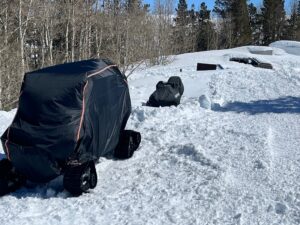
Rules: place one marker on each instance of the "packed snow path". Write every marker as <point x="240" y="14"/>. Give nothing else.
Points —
<point x="235" y="161"/>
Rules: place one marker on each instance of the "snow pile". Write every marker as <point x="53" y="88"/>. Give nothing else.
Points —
<point x="291" y="47"/>
<point x="260" y="50"/>
<point x="205" y="102"/>
<point x="229" y="154"/>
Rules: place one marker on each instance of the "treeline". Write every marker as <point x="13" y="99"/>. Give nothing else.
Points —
<point x="39" y="33"/>
<point x="234" y="23"/>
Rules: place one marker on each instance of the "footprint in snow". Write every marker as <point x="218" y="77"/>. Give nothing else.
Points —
<point x="280" y="208"/>
<point x="191" y="152"/>
<point x="258" y="165"/>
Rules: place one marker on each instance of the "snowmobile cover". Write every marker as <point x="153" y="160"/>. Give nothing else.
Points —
<point x="72" y="112"/>
<point x="167" y="93"/>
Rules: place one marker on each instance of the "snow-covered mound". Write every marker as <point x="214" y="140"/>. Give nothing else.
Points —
<point x="229" y="154"/>
<point x="260" y="50"/>
<point x="291" y="47"/>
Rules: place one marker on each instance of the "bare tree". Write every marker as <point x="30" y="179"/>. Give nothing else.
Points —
<point x="39" y="33"/>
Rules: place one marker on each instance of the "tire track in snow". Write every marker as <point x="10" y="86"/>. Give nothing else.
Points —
<point x="284" y="145"/>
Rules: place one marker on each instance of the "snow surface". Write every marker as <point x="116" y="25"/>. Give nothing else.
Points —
<point x="291" y="47"/>
<point x="234" y="161"/>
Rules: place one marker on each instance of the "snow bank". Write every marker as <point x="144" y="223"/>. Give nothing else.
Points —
<point x="260" y="50"/>
<point x="229" y="157"/>
<point x="291" y="47"/>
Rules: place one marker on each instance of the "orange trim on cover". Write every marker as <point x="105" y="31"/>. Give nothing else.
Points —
<point x="83" y="101"/>
<point x="98" y="72"/>
<point x="6" y="146"/>
<point x="82" y="112"/>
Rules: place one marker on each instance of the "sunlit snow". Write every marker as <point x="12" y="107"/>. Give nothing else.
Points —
<point x="230" y="157"/>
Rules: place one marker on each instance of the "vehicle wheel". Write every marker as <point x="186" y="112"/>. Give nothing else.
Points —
<point x="93" y="176"/>
<point x="128" y="143"/>
<point x="10" y="180"/>
<point x="80" y="178"/>
<point x="5" y="168"/>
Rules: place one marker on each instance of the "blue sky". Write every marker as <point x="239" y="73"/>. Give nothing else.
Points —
<point x="211" y="3"/>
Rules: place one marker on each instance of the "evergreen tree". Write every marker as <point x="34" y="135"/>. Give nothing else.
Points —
<point x="182" y="13"/>
<point x="236" y="28"/>
<point x="297" y="38"/>
<point x="273" y="20"/>
<point x="192" y="29"/>
<point x="205" y="28"/>
<point x="204" y="13"/>
<point x="180" y="32"/>
<point x="255" y="24"/>
<point x="222" y="7"/>
<point x="292" y="23"/>
<point x="241" y="22"/>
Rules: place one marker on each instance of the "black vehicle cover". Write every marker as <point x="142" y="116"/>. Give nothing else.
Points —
<point x="167" y="93"/>
<point x="72" y="112"/>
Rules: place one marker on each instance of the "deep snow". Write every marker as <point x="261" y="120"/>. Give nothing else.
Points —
<point x="233" y="159"/>
<point x="291" y="47"/>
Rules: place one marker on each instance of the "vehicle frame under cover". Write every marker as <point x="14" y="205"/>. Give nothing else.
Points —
<point x="68" y="114"/>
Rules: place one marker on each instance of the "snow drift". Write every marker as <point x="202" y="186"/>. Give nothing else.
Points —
<point x="235" y="160"/>
<point x="291" y="47"/>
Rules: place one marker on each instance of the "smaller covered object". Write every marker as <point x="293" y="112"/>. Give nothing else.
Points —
<point x="69" y="115"/>
<point x="167" y="93"/>
<point x="206" y="66"/>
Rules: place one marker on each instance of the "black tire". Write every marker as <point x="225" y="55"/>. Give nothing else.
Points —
<point x="4" y="188"/>
<point x="80" y="178"/>
<point x="93" y="176"/>
<point x="129" y="142"/>
<point x="5" y="168"/>
<point x="10" y="180"/>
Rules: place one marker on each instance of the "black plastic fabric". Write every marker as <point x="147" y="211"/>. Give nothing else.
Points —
<point x="252" y="61"/>
<point x="206" y="66"/>
<point x="167" y="93"/>
<point x="72" y="112"/>
<point x="128" y="143"/>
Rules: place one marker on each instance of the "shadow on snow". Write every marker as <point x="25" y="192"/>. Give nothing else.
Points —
<point x="286" y="104"/>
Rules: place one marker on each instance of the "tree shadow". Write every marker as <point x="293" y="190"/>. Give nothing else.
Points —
<point x="286" y="104"/>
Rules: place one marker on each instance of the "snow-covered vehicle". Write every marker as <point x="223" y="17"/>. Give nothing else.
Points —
<point x="69" y="115"/>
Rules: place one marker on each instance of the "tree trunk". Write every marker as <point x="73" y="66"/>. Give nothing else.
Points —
<point x="73" y="33"/>
<point x="21" y="37"/>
